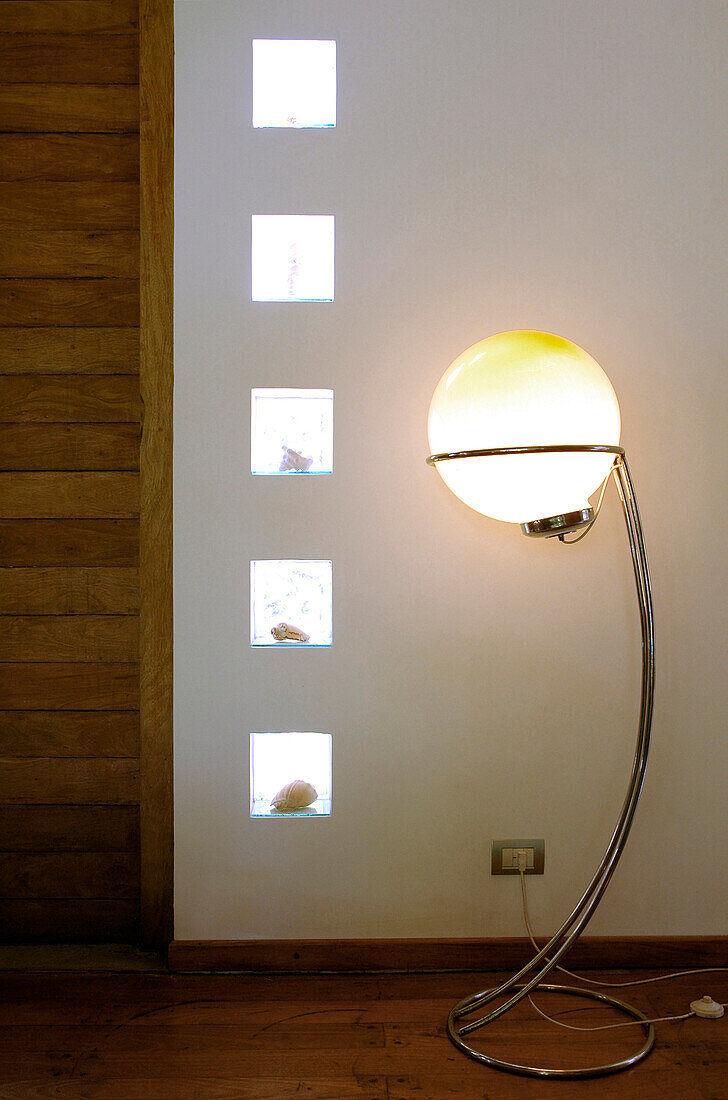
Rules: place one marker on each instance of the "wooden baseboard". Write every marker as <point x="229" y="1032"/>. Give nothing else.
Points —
<point x="307" y="956"/>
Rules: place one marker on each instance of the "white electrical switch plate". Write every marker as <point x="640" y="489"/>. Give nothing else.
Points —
<point x="504" y="856"/>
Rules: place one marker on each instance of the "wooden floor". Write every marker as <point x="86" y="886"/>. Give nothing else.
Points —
<point x="182" y="1037"/>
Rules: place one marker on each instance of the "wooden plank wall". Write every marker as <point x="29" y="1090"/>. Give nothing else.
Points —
<point x="70" y="413"/>
<point x="156" y="377"/>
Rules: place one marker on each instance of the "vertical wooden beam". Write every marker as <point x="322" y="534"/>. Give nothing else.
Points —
<point x="156" y="91"/>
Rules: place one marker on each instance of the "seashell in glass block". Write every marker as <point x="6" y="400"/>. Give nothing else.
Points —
<point x="294" y="593"/>
<point x="290" y="774"/>
<point x="291" y="431"/>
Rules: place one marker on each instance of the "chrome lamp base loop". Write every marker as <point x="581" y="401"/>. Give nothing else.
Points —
<point x="532" y="975"/>
<point x="548" y="1072"/>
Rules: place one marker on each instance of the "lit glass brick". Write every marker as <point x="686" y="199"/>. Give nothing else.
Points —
<point x="292" y="257"/>
<point x="294" y="83"/>
<point x="291" y="431"/>
<point x="279" y="758"/>
<point x="297" y="594"/>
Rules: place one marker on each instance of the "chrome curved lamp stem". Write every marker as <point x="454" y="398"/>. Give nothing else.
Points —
<point x="544" y="961"/>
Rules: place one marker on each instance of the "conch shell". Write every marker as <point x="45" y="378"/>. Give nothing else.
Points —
<point x="294" y="460"/>
<point x="284" y="632"/>
<point x="296" y="795"/>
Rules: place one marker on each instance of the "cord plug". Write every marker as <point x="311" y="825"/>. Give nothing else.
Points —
<point x="522" y="860"/>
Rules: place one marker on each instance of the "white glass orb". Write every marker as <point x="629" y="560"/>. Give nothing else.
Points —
<point x="523" y="389"/>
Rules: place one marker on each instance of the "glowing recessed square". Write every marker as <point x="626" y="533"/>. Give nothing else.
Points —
<point x="292" y="257"/>
<point x="294" y="83"/>
<point x="292" y="598"/>
<point x="277" y="759"/>
<point x="291" y="431"/>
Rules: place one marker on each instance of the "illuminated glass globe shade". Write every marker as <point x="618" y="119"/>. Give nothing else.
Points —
<point x="523" y="389"/>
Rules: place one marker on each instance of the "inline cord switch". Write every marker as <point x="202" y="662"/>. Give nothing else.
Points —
<point x="707" y="1008"/>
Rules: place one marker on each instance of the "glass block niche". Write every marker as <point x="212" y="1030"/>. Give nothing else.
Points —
<point x="288" y="770"/>
<point x="294" y="83"/>
<point x="292" y="257"/>
<point x="290" y="603"/>
<point x="291" y="431"/>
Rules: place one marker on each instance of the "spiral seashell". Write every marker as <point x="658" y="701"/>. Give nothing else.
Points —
<point x="296" y="795"/>
<point x="284" y="632"/>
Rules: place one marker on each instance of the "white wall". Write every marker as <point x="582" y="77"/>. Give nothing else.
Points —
<point x="496" y="165"/>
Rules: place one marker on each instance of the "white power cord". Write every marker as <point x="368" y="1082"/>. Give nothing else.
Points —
<point x="707" y="1007"/>
<point x="597" y="510"/>
<point x="606" y="1027"/>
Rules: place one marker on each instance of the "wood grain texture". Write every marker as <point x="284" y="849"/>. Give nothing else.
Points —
<point x="69" y="828"/>
<point x="80" y="920"/>
<point x="70" y="423"/>
<point x="69" y="108"/>
<point x="51" y="781"/>
<point x="69" y="638"/>
<point x="56" y="399"/>
<point x="60" y="205"/>
<point x="50" y="494"/>
<point x="279" y="956"/>
<point x="69" y="542"/>
<point x="69" y="157"/>
<point x="217" y="1037"/>
<point x="69" y="686"/>
<point x="55" y="351"/>
<point x="69" y="301"/>
<point x="341" y="1035"/>
<point x="156" y="92"/>
<point x="85" y="957"/>
<point x="69" y="16"/>
<point x="68" y="874"/>
<point x="40" y="253"/>
<point x="64" y="543"/>
<point x="51" y="733"/>
<point x="95" y="591"/>
<point x="69" y="447"/>
<point x="70" y="59"/>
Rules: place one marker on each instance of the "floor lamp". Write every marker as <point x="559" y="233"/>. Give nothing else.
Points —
<point x="524" y="427"/>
